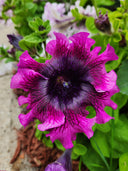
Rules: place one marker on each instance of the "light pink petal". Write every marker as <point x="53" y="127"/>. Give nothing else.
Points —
<point x="53" y="119"/>
<point x="59" y="47"/>
<point x="26" y="61"/>
<point x="25" y="79"/>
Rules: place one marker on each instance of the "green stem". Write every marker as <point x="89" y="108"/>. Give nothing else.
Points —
<point x="94" y="3"/>
<point x="80" y="164"/>
<point x="112" y="140"/>
<point x="101" y="155"/>
<point x="45" y="49"/>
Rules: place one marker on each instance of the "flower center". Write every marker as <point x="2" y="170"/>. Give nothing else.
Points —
<point x="68" y="82"/>
<point x="63" y="81"/>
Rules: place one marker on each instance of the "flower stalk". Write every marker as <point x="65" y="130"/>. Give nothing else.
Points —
<point x="112" y="140"/>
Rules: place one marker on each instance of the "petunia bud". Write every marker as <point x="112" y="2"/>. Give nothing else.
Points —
<point x="14" y="40"/>
<point x="62" y="164"/>
<point x="102" y="23"/>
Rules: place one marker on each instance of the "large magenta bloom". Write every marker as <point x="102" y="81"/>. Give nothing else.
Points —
<point x="61" y="88"/>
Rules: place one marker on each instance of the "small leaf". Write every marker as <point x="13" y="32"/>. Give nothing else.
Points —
<point x="47" y="142"/>
<point x="126" y="36"/>
<point x="82" y="3"/>
<point x="123" y="162"/>
<point x="92" y="112"/>
<point x="120" y="99"/>
<point x="91" y="25"/>
<point x="116" y="37"/>
<point x="122" y="79"/>
<point x="33" y="38"/>
<point x="116" y="24"/>
<point x="59" y="145"/>
<point x="79" y="149"/>
<point x="77" y="15"/>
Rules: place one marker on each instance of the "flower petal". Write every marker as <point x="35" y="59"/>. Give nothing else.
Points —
<point x="108" y="101"/>
<point x="59" y="47"/>
<point x="53" y="119"/>
<point x="102" y="117"/>
<point x="26" y="61"/>
<point x="25" y="119"/>
<point x="66" y="133"/>
<point x="106" y="82"/>
<point x="77" y="46"/>
<point x="108" y="54"/>
<point x="25" y="79"/>
<point x="23" y="100"/>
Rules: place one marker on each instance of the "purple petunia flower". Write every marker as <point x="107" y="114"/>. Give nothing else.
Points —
<point x="64" y="163"/>
<point x="61" y="88"/>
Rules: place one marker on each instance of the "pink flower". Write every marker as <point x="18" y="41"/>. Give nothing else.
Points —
<point x="61" y="88"/>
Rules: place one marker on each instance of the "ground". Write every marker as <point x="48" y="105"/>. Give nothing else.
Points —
<point x="9" y="111"/>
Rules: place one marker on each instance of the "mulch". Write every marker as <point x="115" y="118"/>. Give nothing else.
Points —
<point x="39" y="155"/>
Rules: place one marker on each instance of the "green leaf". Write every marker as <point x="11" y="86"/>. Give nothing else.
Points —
<point x="120" y="99"/>
<point x="79" y="149"/>
<point x="78" y="16"/>
<point x="25" y="45"/>
<point x="18" y="54"/>
<point x="126" y="4"/>
<point x="112" y="65"/>
<point x="59" y="145"/>
<point x="114" y="14"/>
<point x="126" y="36"/>
<point x="93" y="161"/>
<point x="92" y="112"/>
<point x="41" y="59"/>
<point x="120" y="139"/>
<point x="104" y="3"/>
<point x="91" y="25"/>
<point x="39" y="26"/>
<point x="82" y="3"/>
<point x="102" y="142"/>
<point x="116" y="24"/>
<point x="116" y="37"/>
<point x="38" y="134"/>
<point x="47" y="142"/>
<point x="74" y="156"/>
<point x="122" y="79"/>
<point x="33" y="38"/>
<point x="123" y="162"/>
